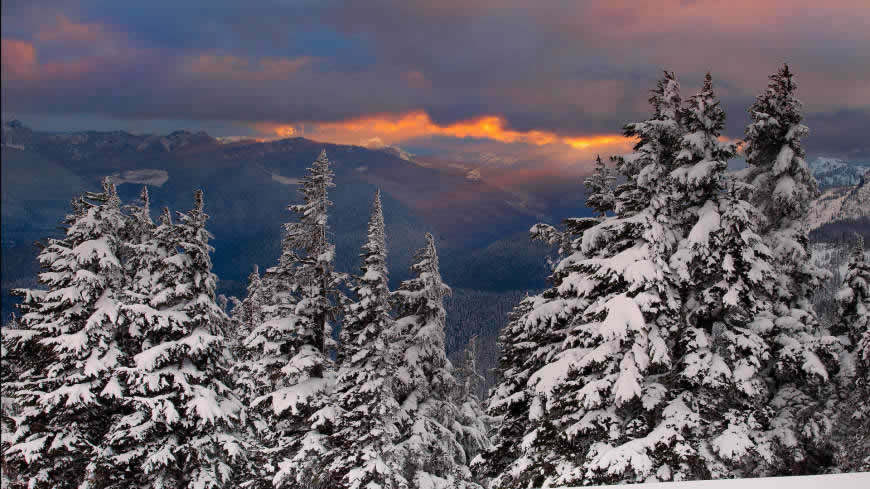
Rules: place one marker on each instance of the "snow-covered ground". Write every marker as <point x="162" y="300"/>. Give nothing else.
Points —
<point x="860" y="480"/>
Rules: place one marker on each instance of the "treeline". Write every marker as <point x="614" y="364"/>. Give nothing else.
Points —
<point x="678" y="340"/>
<point x="125" y="369"/>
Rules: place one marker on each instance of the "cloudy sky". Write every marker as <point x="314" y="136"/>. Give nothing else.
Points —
<point x="499" y="82"/>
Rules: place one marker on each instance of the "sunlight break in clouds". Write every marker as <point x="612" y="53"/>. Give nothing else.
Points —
<point x="391" y="129"/>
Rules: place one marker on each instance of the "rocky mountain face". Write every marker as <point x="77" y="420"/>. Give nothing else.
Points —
<point x="841" y="203"/>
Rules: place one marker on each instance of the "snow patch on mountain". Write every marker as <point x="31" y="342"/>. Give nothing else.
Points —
<point x="285" y="180"/>
<point x="174" y="140"/>
<point x="378" y="144"/>
<point x="146" y="176"/>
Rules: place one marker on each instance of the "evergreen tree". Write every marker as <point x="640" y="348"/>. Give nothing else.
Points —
<point x="854" y="412"/>
<point x="290" y="351"/>
<point x="431" y="450"/>
<point x="803" y="353"/>
<point x="364" y="417"/>
<point x="319" y="295"/>
<point x="69" y="393"/>
<point x="725" y="348"/>
<point x="139" y="251"/>
<point x="180" y="431"/>
<point x="581" y="399"/>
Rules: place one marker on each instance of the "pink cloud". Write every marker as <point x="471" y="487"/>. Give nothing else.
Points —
<point x="19" y="58"/>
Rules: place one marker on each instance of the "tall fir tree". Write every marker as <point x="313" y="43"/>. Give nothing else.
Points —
<point x="139" y="250"/>
<point x="803" y="352"/>
<point x="290" y="358"/>
<point x="69" y="394"/>
<point x="363" y="419"/>
<point x="431" y="449"/>
<point x="726" y="277"/>
<point x="181" y="431"/>
<point x="580" y="400"/>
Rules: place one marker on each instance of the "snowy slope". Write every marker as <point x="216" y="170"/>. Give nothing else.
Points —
<point x="841" y="203"/>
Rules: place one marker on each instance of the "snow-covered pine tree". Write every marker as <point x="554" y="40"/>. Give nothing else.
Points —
<point x="853" y="423"/>
<point x="138" y="252"/>
<point x="138" y="229"/>
<point x="431" y="449"/>
<point x="582" y="398"/>
<point x="363" y="419"/>
<point x="319" y="295"/>
<point x="726" y="278"/>
<point x="68" y="396"/>
<point x="803" y="352"/>
<point x="659" y="137"/>
<point x="292" y="348"/>
<point x="180" y="431"/>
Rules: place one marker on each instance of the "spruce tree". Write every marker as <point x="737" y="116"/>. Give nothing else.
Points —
<point x="431" y="450"/>
<point x="364" y="418"/>
<point x="726" y="277"/>
<point x="581" y="399"/>
<point x="803" y="352"/>
<point x="290" y="357"/>
<point x="180" y="431"/>
<point x="69" y="393"/>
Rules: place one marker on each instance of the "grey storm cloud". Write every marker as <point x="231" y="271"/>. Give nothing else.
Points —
<point x="563" y="66"/>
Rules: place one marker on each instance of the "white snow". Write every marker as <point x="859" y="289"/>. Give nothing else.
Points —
<point x="860" y="480"/>
<point x="146" y="176"/>
<point x="622" y="315"/>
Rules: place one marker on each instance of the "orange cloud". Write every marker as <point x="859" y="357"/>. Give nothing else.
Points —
<point x="391" y="129"/>
<point x="19" y="58"/>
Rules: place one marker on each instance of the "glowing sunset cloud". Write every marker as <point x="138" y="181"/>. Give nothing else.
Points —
<point x="415" y="125"/>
